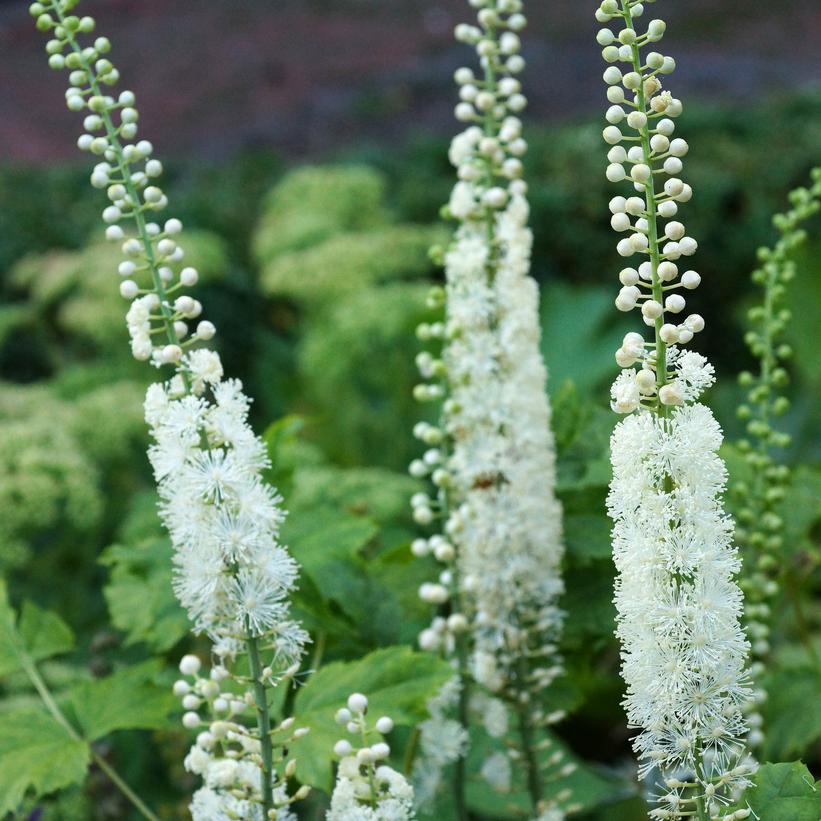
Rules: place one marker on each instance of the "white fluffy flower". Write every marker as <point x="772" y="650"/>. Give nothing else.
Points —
<point x="352" y="799"/>
<point x="210" y="805"/>
<point x="678" y="605"/>
<point x="497" y="772"/>
<point x="503" y="461"/>
<point x="624" y="393"/>
<point x="442" y="741"/>
<point x="231" y="574"/>
<point x="204" y="367"/>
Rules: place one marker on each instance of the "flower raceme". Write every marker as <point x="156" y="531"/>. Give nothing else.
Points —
<point x="679" y="607"/>
<point x="230" y="572"/>
<point x="491" y="457"/>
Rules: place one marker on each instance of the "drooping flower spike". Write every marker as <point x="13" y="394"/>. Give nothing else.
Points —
<point x="678" y="604"/>
<point x="230" y="572"/>
<point x="491" y="457"/>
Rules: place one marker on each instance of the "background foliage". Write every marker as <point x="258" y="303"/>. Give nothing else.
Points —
<point x="315" y="277"/>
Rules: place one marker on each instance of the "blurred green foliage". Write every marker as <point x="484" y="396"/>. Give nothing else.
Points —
<point x="316" y="283"/>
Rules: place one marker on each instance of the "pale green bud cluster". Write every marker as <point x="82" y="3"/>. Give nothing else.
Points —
<point x="758" y="499"/>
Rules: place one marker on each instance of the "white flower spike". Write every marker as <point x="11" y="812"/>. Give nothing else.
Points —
<point x="678" y="605"/>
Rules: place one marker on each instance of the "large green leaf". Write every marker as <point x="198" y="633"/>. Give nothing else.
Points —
<point x="784" y="792"/>
<point x="793" y="711"/>
<point x="39" y="634"/>
<point x="140" y="599"/>
<point x="128" y="699"/>
<point x="37" y="754"/>
<point x="398" y="683"/>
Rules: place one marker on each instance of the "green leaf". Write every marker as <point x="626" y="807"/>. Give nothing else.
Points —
<point x="792" y="713"/>
<point x="140" y="598"/>
<point x="579" y="334"/>
<point x="37" y="754"/>
<point x="398" y="682"/>
<point x="39" y="635"/>
<point x="280" y="437"/>
<point x="128" y="699"/>
<point x="783" y="792"/>
<point x="321" y="537"/>
<point x="44" y="634"/>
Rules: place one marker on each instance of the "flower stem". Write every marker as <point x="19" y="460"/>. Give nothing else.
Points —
<point x="263" y="724"/>
<point x="534" y="781"/>
<point x="652" y="221"/>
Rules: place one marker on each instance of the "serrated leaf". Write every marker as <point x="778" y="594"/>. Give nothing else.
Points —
<point x="44" y="634"/>
<point x="128" y="699"/>
<point x="792" y="713"/>
<point x="140" y="598"/>
<point x="783" y="792"/>
<point x="39" y="634"/>
<point x="398" y="682"/>
<point x="37" y="754"/>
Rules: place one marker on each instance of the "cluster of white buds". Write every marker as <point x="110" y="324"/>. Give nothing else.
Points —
<point x="153" y="275"/>
<point x="228" y="753"/>
<point x="678" y="604"/>
<point x="231" y="573"/>
<point x="490" y="459"/>
<point x="367" y="789"/>
<point x="646" y="154"/>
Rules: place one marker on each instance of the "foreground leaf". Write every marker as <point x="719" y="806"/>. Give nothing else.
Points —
<point x="784" y="792"/>
<point x="792" y="713"/>
<point x="140" y="598"/>
<point x="39" y="634"/>
<point x="128" y="699"/>
<point x="37" y="754"/>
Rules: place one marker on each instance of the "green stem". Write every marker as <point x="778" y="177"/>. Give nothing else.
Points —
<point x="410" y="751"/>
<point x="534" y="781"/>
<point x="319" y="650"/>
<point x="263" y="724"/>
<point x="57" y="714"/>
<point x="652" y="219"/>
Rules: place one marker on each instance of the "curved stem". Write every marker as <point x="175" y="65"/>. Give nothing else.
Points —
<point x="57" y="714"/>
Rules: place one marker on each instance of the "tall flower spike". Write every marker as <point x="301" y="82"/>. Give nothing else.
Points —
<point x="491" y="458"/>
<point x="231" y="574"/>
<point x="757" y="500"/>
<point x="678" y="605"/>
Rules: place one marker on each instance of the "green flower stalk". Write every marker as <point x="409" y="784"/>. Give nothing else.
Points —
<point x="491" y="457"/>
<point x="678" y="605"/>
<point x="757" y="500"/>
<point x="230" y="572"/>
